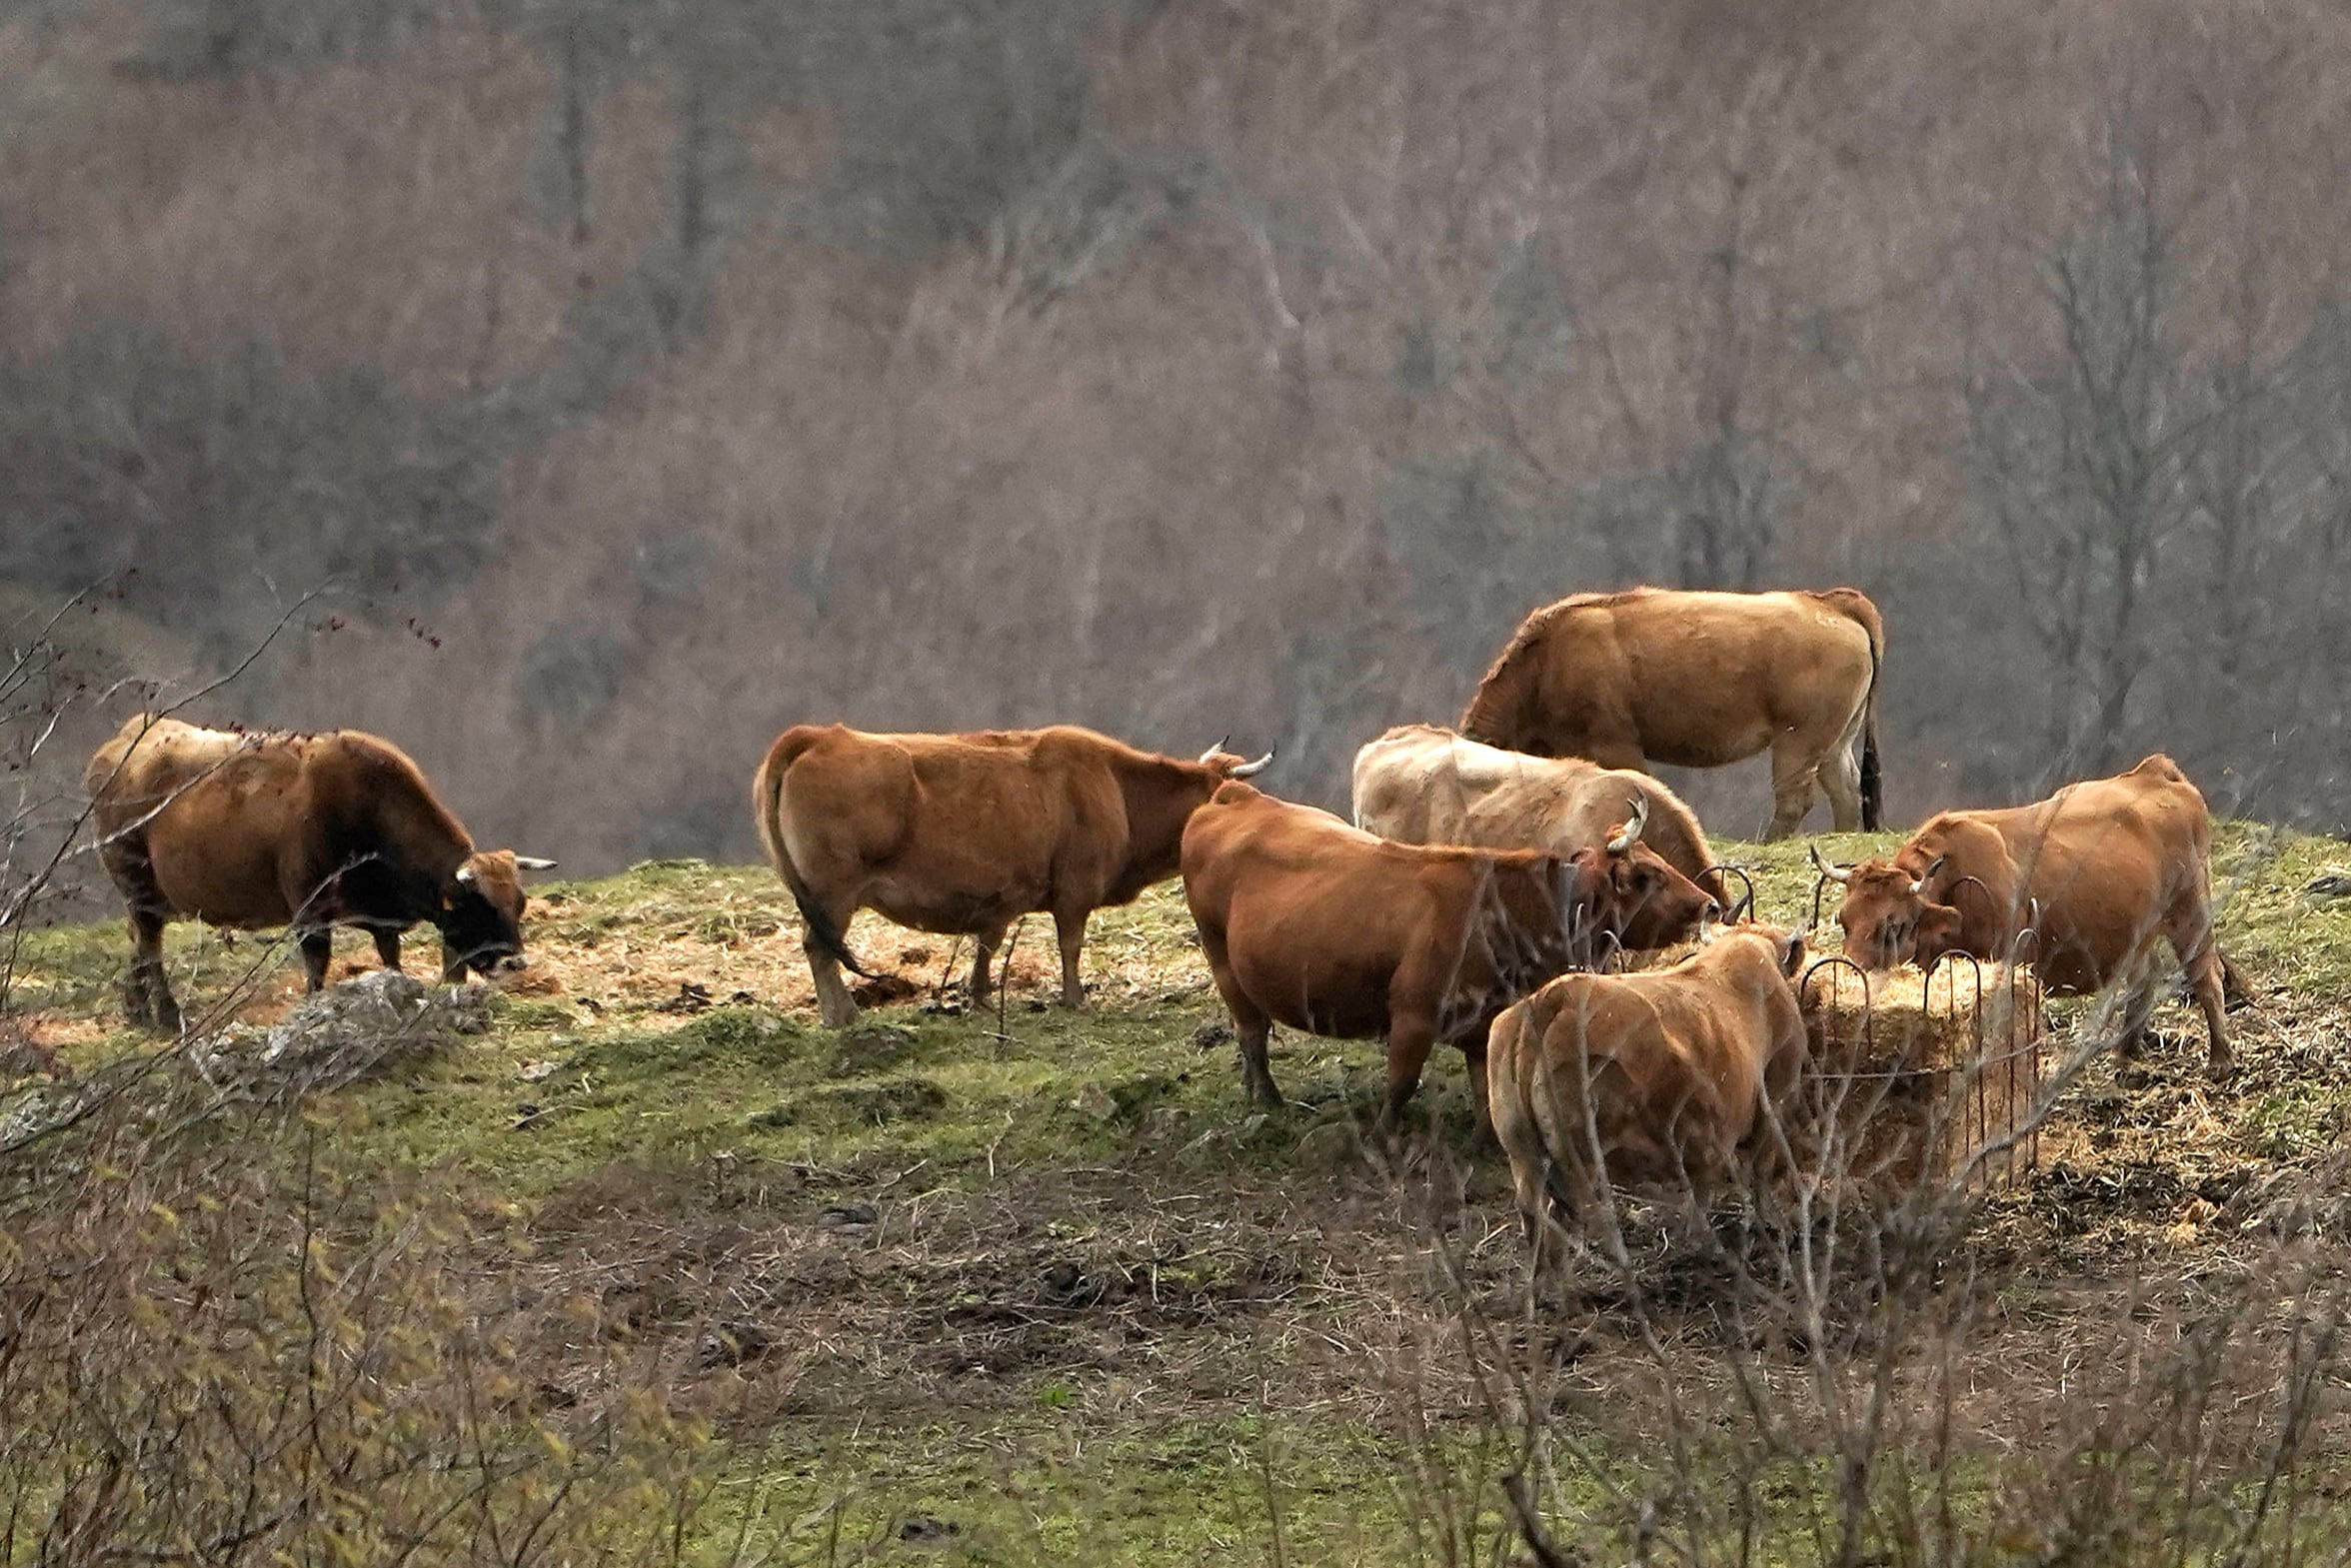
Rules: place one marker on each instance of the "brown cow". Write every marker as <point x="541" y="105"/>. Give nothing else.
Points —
<point x="1312" y="923"/>
<point x="1419" y="783"/>
<point x="1666" y="1078"/>
<point x="1700" y="680"/>
<point x="311" y="831"/>
<point x="964" y="833"/>
<point x="2108" y="865"/>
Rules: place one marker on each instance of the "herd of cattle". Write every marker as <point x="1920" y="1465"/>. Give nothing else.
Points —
<point x="1489" y="874"/>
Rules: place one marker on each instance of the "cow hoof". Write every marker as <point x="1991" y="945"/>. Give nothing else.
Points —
<point x="841" y="1019"/>
<point x="2221" y="1069"/>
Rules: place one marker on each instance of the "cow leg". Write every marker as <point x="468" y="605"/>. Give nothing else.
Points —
<point x="1473" y="1050"/>
<point x="985" y="943"/>
<point x="2139" y="996"/>
<point x="1625" y="755"/>
<point x="1840" y="780"/>
<point x="1409" y="1040"/>
<point x="1252" y="1028"/>
<point x="317" y="948"/>
<point x="833" y="1003"/>
<point x="2199" y="954"/>
<point x="1069" y="930"/>
<point x="146" y="997"/>
<point x="387" y="947"/>
<point x="1794" y="766"/>
<point x="1530" y="1183"/>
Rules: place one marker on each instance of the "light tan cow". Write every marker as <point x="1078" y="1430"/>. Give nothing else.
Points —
<point x="1419" y="783"/>
<point x="1700" y="680"/>
<point x="1656" y="1078"/>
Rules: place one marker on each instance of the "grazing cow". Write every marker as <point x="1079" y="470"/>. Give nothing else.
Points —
<point x="1700" y="680"/>
<point x="964" y="833"/>
<point x="2107" y="864"/>
<point x="1419" y="783"/>
<point x="1666" y="1078"/>
<point x="311" y="831"/>
<point x="1312" y="923"/>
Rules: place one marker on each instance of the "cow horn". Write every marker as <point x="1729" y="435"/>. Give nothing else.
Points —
<point x="1251" y="769"/>
<point x="465" y="873"/>
<point x="1213" y="751"/>
<point x="1630" y="833"/>
<point x="1932" y="866"/>
<point x="533" y="862"/>
<point x="1839" y="875"/>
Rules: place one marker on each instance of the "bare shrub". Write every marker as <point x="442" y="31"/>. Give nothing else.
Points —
<point x="1846" y="1372"/>
<point x="217" y="1347"/>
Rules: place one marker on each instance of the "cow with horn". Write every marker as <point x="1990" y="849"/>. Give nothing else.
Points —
<point x="1312" y="923"/>
<point x="1419" y="783"/>
<point x="251" y="829"/>
<point x="961" y="834"/>
<point x="2101" y="871"/>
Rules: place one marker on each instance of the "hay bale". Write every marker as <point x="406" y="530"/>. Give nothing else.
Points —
<point x="1912" y="1073"/>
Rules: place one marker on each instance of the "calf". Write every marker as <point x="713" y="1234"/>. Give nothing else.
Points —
<point x="1664" y="1078"/>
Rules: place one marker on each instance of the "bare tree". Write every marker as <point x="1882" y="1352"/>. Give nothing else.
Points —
<point x="2081" y="465"/>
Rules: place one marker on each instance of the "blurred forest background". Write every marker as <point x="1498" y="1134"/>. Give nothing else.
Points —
<point x="639" y="377"/>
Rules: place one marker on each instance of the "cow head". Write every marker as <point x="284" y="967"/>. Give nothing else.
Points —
<point x="480" y="918"/>
<point x="1787" y="947"/>
<point x="1888" y="915"/>
<point x="1626" y="890"/>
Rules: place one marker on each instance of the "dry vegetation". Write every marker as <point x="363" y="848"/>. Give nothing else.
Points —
<point x="1024" y="1284"/>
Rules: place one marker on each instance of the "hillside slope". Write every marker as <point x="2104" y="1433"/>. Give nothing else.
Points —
<point x="1171" y="369"/>
<point x="1027" y="1283"/>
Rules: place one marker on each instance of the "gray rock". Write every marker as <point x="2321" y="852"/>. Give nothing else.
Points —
<point x="381" y="1022"/>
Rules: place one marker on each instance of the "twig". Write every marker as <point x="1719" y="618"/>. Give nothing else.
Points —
<point x="1531" y="1528"/>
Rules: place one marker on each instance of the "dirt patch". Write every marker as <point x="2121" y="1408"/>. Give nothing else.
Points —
<point x="878" y="1296"/>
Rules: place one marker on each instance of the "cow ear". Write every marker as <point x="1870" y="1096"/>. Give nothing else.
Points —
<point x="1791" y="953"/>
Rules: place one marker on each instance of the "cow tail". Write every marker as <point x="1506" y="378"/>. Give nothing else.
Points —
<point x="1857" y="607"/>
<point x="1872" y="777"/>
<point x="767" y="810"/>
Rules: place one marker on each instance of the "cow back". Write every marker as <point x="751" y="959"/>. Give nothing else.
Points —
<point x="1669" y="1067"/>
<point x="1694" y="678"/>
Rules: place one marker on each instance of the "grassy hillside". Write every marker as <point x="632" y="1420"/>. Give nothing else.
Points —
<point x="1035" y="1285"/>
